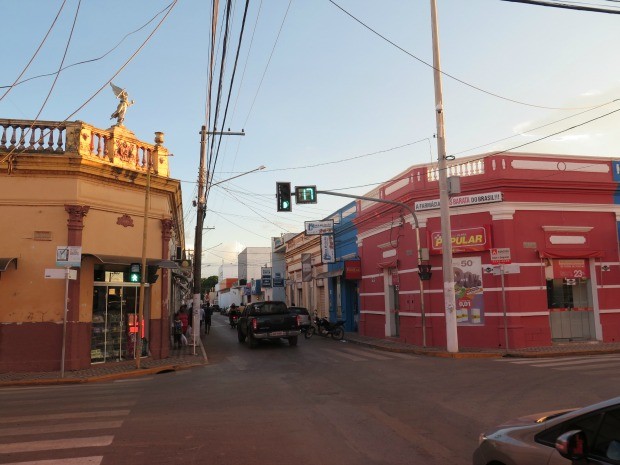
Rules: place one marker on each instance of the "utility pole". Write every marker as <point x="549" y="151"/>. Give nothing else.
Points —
<point x="201" y="210"/>
<point x="446" y="229"/>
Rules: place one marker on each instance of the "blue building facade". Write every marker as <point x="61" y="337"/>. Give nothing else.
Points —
<point x="343" y="275"/>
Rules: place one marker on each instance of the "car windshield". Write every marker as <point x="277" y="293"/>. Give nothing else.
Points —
<point x="269" y="308"/>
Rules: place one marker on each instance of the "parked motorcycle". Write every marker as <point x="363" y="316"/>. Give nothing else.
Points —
<point x="307" y="330"/>
<point x="325" y="328"/>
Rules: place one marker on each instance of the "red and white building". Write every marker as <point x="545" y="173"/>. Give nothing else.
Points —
<point x="555" y="221"/>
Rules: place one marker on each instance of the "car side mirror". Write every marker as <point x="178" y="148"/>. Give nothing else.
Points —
<point x="572" y="445"/>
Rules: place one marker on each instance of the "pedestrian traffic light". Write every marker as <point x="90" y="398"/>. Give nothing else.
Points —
<point x="135" y="275"/>
<point x="151" y="276"/>
<point x="283" y="194"/>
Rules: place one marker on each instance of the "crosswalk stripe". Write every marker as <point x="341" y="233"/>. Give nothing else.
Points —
<point x="65" y="416"/>
<point x="19" y="430"/>
<point x="95" y="460"/>
<point x="611" y="363"/>
<point x="404" y="355"/>
<point x="342" y="354"/>
<point x="366" y="353"/>
<point x="55" y="444"/>
<point x="527" y="361"/>
<point x="112" y="399"/>
<point x="570" y="362"/>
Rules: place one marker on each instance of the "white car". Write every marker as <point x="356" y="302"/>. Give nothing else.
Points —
<point x="589" y="435"/>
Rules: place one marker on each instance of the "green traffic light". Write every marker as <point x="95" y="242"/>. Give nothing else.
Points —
<point x="134" y="277"/>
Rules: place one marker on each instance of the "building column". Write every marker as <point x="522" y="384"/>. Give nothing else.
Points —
<point x="160" y="330"/>
<point x="78" y="334"/>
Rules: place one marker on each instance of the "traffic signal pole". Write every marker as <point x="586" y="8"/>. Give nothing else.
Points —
<point x="418" y="244"/>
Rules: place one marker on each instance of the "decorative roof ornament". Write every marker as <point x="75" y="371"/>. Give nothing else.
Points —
<point x="123" y="104"/>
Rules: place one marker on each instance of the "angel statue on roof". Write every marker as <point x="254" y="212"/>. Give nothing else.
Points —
<point x="123" y="104"/>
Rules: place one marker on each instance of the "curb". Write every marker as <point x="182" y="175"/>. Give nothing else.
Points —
<point x="429" y="353"/>
<point x="95" y="379"/>
<point x="561" y="354"/>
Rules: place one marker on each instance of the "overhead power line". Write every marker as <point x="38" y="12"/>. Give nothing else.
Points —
<point x="443" y="72"/>
<point x="90" y="60"/>
<point x="565" y="6"/>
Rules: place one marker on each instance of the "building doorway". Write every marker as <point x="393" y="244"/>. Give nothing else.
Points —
<point x="392" y="304"/>
<point x="114" y="322"/>
<point x="570" y="302"/>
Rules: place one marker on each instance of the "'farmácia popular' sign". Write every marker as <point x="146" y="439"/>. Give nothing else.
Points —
<point x="460" y="201"/>
<point x="463" y="240"/>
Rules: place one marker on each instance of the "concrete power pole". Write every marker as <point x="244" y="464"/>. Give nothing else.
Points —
<point x="446" y="229"/>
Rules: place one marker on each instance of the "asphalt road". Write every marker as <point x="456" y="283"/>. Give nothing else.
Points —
<point x="322" y="402"/>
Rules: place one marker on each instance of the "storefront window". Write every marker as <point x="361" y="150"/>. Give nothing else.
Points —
<point x="113" y="323"/>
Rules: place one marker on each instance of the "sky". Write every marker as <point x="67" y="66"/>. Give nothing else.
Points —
<point x="338" y="99"/>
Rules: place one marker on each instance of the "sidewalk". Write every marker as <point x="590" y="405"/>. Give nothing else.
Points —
<point x="184" y="358"/>
<point x="556" y="350"/>
<point x="179" y="359"/>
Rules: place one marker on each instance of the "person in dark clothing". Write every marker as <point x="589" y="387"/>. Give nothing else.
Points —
<point x="208" y="313"/>
<point x="183" y="317"/>
<point x="177" y="331"/>
<point x="233" y="312"/>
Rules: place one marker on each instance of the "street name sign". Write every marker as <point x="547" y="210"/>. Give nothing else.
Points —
<point x="59" y="273"/>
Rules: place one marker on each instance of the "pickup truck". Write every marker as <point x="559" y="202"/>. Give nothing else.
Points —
<point x="267" y="320"/>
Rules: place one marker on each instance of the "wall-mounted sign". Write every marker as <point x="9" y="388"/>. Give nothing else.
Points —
<point x="461" y="201"/>
<point x="306" y="267"/>
<point x="463" y="240"/>
<point x="570" y="268"/>
<point x="68" y="256"/>
<point x="265" y="273"/>
<point x="328" y="250"/>
<point x="500" y="256"/>
<point x="468" y="291"/>
<point x="278" y="280"/>
<point x="352" y="269"/>
<point x="314" y="228"/>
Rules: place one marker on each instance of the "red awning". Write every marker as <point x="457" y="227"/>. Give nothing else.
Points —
<point x="570" y="253"/>
<point x="388" y="264"/>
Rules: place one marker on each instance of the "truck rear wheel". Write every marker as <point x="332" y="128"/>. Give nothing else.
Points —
<point x="292" y="341"/>
<point x="253" y="342"/>
<point x="240" y="335"/>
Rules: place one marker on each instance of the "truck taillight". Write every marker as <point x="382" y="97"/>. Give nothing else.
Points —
<point x="254" y="324"/>
<point x="298" y="320"/>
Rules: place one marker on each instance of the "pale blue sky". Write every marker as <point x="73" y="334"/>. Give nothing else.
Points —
<point x="333" y="90"/>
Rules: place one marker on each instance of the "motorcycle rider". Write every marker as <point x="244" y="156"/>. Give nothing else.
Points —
<point x="233" y="312"/>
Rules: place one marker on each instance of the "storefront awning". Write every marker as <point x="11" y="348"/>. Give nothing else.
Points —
<point x="5" y="262"/>
<point x="122" y="260"/>
<point x="330" y="274"/>
<point x="388" y="263"/>
<point x="570" y="253"/>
